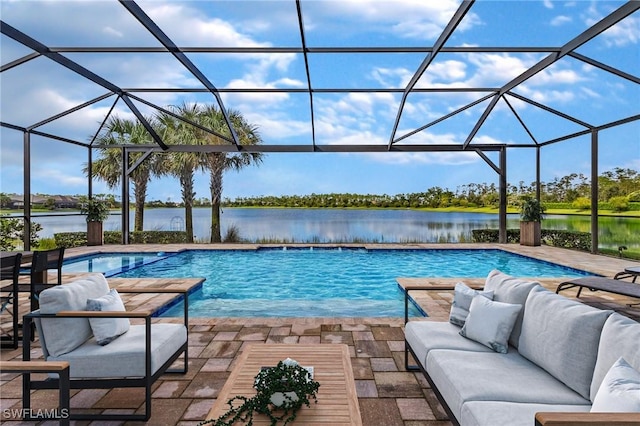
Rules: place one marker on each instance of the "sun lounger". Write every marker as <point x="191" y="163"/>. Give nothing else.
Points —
<point x="609" y="285"/>
<point x="632" y="272"/>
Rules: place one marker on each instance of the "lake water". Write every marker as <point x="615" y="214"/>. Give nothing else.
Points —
<point x="337" y="225"/>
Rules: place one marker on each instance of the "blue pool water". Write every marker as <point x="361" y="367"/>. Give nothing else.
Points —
<point x="324" y="282"/>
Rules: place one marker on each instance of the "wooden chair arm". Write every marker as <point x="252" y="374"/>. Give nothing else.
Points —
<point x="587" y="419"/>
<point x="430" y="288"/>
<point x="33" y="366"/>
<point x="104" y="314"/>
<point x="150" y="290"/>
<point x="92" y="314"/>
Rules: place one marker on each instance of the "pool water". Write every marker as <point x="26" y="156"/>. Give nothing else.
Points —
<point x="314" y="282"/>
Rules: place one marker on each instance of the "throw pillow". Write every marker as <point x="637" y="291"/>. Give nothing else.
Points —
<point x="106" y="330"/>
<point x="490" y="323"/>
<point x="62" y="335"/>
<point x="619" y="391"/>
<point x="463" y="295"/>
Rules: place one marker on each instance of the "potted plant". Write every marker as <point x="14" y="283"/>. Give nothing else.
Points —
<point x="531" y="214"/>
<point x="280" y="392"/>
<point x="96" y="211"/>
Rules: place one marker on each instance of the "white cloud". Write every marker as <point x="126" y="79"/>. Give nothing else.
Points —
<point x="561" y="20"/>
<point x="410" y="19"/>
<point x="623" y="33"/>
<point x="556" y="75"/>
<point x="111" y="31"/>
<point x="275" y="127"/>
<point x="548" y="4"/>
<point x="59" y="177"/>
<point x="590" y="93"/>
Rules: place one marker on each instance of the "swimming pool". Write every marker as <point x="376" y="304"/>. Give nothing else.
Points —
<point x="313" y="282"/>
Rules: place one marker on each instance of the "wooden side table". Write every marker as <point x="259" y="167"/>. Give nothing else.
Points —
<point x="28" y="367"/>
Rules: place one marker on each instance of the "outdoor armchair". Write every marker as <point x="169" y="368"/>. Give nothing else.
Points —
<point x="9" y="271"/>
<point x="85" y="324"/>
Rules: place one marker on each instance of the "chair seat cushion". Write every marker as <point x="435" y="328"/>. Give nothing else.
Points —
<point x="491" y="413"/>
<point x="125" y="356"/>
<point x="462" y="376"/>
<point x="424" y="336"/>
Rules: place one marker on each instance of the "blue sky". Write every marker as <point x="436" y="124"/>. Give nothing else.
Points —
<point x="39" y="88"/>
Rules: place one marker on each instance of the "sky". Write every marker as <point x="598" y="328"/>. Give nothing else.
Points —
<point x="39" y="89"/>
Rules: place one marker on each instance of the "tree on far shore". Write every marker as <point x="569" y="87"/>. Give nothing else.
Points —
<point x="108" y="167"/>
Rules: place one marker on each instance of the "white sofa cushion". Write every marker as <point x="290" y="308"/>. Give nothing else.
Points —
<point x="508" y="289"/>
<point x="125" y="356"/>
<point x="620" y="338"/>
<point x="105" y="330"/>
<point x="490" y="323"/>
<point x="488" y="376"/>
<point x="424" y="336"/>
<point x="462" y="297"/>
<point x="59" y="336"/>
<point x="492" y="413"/>
<point x="619" y="391"/>
<point x="562" y="336"/>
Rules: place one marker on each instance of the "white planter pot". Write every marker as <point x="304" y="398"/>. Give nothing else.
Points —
<point x="279" y="398"/>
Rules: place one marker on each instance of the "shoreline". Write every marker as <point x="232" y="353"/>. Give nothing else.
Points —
<point x="485" y="210"/>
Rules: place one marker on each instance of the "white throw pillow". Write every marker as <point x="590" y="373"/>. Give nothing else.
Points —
<point x="462" y="297"/>
<point x="106" y="330"/>
<point x="490" y="323"/>
<point x="619" y="391"/>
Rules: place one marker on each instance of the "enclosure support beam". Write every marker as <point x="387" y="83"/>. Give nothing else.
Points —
<point x="26" y="196"/>
<point x="538" y="174"/>
<point x="594" y="192"/>
<point x="502" y="214"/>
<point x="125" y="197"/>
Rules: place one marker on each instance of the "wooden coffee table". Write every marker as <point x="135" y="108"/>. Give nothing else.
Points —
<point x="337" y="398"/>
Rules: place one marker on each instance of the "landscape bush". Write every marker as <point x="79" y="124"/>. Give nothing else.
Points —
<point x="619" y="204"/>
<point x="78" y="239"/>
<point x="581" y="203"/>
<point x="551" y="237"/>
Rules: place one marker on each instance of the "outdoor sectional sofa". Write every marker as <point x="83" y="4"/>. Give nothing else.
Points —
<point x="560" y="363"/>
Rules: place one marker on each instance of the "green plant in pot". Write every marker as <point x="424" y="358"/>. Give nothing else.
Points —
<point x="96" y="211"/>
<point x="280" y="392"/>
<point x="531" y="214"/>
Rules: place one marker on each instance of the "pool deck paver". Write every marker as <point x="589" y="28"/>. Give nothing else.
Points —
<point x="387" y="394"/>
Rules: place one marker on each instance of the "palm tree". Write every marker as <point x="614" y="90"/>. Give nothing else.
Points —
<point x="217" y="162"/>
<point x="109" y="166"/>
<point x="182" y="165"/>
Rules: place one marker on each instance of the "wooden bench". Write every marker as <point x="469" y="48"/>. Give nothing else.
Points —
<point x="28" y="367"/>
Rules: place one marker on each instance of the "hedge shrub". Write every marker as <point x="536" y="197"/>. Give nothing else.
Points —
<point x="78" y="239"/>
<point x="552" y="237"/>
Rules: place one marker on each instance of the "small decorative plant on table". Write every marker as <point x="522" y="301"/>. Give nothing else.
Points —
<point x="281" y="391"/>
